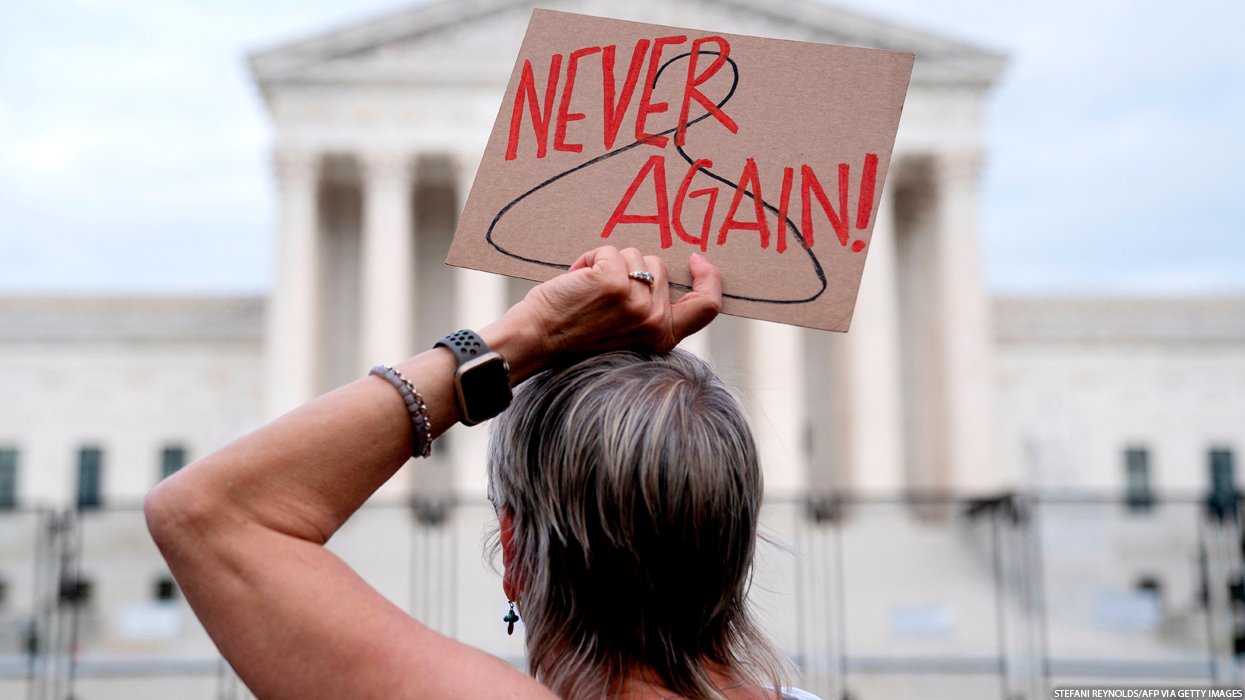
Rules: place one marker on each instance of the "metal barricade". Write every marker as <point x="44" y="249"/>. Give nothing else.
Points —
<point x="921" y="596"/>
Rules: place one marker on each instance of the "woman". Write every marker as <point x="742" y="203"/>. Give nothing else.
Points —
<point x="626" y="487"/>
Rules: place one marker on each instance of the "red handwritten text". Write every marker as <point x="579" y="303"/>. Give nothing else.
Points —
<point x="539" y="107"/>
<point x="750" y="214"/>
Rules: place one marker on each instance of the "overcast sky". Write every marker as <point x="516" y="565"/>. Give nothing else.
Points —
<point x="133" y="145"/>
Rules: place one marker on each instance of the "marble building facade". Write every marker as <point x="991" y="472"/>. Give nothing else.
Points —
<point x="376" y="144"/>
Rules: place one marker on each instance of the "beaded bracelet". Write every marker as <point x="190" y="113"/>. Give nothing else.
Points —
<point x="421" y="440"/>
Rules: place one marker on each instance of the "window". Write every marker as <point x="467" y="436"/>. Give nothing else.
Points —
<point x="90" y="475"/>
<point x="165" y="589"/>
<point x="1151" y="585"/>
<point x="8" y="478"/>
<point x="1138" y="493"/>
<point x="172" y="458"/>
<point x="1222" y="482"/>
<point x="76" y="590"/>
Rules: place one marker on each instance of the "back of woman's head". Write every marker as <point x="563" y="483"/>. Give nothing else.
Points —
<point x="634" y="488"/>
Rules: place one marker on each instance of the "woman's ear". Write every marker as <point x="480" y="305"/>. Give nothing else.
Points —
<point x="509" y="577"/>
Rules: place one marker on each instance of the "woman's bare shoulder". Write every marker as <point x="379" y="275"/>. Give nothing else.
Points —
<point x="446" y="668"/>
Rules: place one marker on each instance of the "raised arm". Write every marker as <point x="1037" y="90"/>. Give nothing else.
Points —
<point x="243" y="529"/>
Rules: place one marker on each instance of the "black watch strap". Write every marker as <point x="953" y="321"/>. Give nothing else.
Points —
<point x="482" y="380"/>
<point x="465" y="345"/>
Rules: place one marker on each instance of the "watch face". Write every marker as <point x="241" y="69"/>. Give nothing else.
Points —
<point x="485" y="387"/>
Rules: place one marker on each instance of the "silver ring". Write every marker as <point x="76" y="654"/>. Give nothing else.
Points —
<point x="643" y="276"/>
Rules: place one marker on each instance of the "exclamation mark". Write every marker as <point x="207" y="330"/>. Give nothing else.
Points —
<point x="864" y="207"/>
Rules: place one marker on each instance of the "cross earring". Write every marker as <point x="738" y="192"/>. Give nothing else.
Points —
<point x="510" y="618"/>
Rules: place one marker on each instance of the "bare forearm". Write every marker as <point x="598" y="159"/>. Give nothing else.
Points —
<point x="305" y="473"/>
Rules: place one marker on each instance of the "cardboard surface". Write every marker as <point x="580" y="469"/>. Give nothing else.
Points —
<point x="768" y="156"/>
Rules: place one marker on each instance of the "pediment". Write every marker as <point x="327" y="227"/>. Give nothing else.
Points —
<point x="454" y="42"/>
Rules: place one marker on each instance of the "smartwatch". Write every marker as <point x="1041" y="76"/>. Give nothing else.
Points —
<point x="482" y="380"/>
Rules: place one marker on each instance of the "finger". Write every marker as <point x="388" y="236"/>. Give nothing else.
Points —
<point x="589" y="259"/>
<point x="585" y="260"/>
<point x="661" y="282"/>
<point x="635" y="260"/>
<point x="636" y="263"/>
<point x="701" y="305"/>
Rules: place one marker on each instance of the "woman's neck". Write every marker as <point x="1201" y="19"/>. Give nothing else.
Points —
<point x="647" y="685"/>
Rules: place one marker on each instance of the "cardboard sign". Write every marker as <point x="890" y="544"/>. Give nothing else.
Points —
<point x="766" y="156"/>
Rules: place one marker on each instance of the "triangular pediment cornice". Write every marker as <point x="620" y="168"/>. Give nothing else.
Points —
<point x="345" y="55"/>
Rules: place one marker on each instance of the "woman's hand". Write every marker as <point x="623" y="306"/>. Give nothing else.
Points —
<point x="596" y="307"/>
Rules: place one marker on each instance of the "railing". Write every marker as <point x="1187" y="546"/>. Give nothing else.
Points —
<point x="915" y="597"/>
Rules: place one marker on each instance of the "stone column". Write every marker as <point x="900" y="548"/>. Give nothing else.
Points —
<point x="479" y="299"/>
<point x="387" y="290"/>
<point x="967" y="362"/>
<point x="922" y="322"/>
<point x="868" y="370"/>
<point x="775" y="378"/>
<point x="292" y="342"/>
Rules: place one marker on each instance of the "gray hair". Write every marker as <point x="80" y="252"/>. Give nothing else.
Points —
<point x="634" y="486"/>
